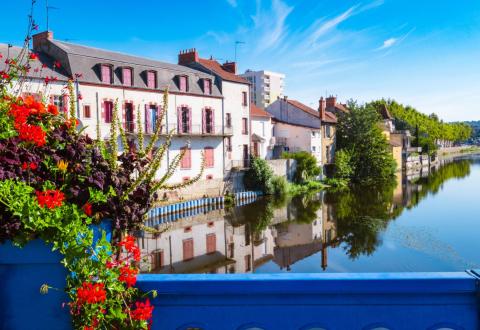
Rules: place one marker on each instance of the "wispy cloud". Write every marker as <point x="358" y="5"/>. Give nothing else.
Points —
<point x="390" y="42"/>
<point x="270" y="24"/>
<point x="232" y="3"/>
<point x="321" y="27"/>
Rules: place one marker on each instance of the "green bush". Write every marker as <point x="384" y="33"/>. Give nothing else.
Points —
<point x="279" y="186"/>
<point x="307" y="167"/>
<point x="259" y="176"/>
<point x="343" y="166"/>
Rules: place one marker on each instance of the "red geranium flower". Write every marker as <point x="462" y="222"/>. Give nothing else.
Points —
<point x="52" y="108"/>
<point x="143" y="311"/>
<point x="128" y="275"/>
<point x="33" y="134"/>
<point x="56" y="64"/>
<point x="91" y="293"/>
<point x="50" y="198"/>
<point x="33" y="56"/>
<point x="87" y="208"/>
<point x="4" y="75"/>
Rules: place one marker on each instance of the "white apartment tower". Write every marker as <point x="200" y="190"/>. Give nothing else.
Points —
<point x="266" y="86"/>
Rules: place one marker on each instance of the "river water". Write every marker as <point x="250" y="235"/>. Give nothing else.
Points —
<point x="425" y="222"/>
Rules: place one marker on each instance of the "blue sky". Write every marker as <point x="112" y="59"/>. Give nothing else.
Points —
<point x="424" y="53"/>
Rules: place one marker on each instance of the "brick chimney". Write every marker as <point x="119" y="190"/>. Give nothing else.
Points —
<point x="187" y="56"/>
<point x="230" y="67"/>
<point x="40" y="38"/>
<point x="322" y="106"/>
<point x="331" y="101"/>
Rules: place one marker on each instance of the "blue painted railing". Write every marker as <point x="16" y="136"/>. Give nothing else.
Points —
<point x="174" y="212"/>
<point x="394" y="301"/>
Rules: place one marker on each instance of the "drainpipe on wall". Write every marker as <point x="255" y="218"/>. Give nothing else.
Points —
<point x="77" y="90"/>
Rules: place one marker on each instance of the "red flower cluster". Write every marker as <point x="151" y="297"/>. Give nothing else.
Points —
<point x="4" y="75"/>
<point x="90" y="293"/>
<point x="48" y="79"/>
<point x="22" y="112"/>
<point x="143" y="311"/>
<point x="87" y="208"/>
<point x="129" y="244"/>
<point x="31" y="166"/>
<point x="33" y="56"/>
<point x="128" y="275"/>
<point x="50" y="198"/>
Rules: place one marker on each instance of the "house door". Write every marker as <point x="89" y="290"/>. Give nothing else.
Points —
<point x="245" y="155"/>
<point x="129" y="117"/>
<point x="255" y="149"/>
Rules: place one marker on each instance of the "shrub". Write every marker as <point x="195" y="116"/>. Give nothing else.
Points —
<point x="307" y="167"/>
<point x="343" y="167"/>
<point x="279" y="186"/>
<point x="259" y="176"/>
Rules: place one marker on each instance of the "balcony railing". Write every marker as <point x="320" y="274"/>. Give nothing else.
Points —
<point x="191" y="130"/>
<point x="240" y="163"/>
<point x="280" y="141"/>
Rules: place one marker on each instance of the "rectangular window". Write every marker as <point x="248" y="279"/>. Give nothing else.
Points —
<point x="151" y="79"/>
<point x="245" y="126"/>
<point x="183" y="83"/>
<point x="108" y="108"/>
<point x="86" y="111"/>
<point x="211" y="243"/>
<point x="248" y="263"/>
<point x="244" y="99"/>
<point x="187" y="249"/>
<point x="228" y="143"/>
<point x="209" y="158"/>
<point x="207" y="86"/>
<point x="186" y="162"/>
<point x="314" y="149"/>
<point x="328" y="131"/>
<point x="228" y="120"/>
<point x="106" y="74"/>
<point x="127" y="77"/>
<point x="157" y="259"/>
<point x="58" y="101"/>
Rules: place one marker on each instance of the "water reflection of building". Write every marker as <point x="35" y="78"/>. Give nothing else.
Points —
<point x="205" y="244"/>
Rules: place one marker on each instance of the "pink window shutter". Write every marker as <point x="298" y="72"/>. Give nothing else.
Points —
<point x="189" y="120"/>
<point x="213" y="121"/>
<point x="147" y="119"/>
<point x="204" y="121"/>
<point x="179" y="119"/>
<point x="209" y="157"/>
<point x="65" y="103"/>
<point x="188" y="156"/>
<point x="133" y="117"/>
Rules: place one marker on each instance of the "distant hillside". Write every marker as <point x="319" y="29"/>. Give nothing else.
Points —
<point x="476" y="127"/>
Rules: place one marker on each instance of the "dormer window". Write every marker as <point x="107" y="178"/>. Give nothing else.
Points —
<point x="207" y="86"/>
<point x="127" y="76"/>
<point x="106" y="71"/>
<point x="151" y="79"/>
<point x="183" y="83"/>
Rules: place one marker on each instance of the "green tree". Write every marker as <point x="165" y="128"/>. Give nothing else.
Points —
<point x="307" y="166"/>
<point x="360" y="137"/>
<point x="259" y="176"/>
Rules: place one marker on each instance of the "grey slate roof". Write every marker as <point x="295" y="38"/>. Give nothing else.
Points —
<point x="87" y="60"/>
<point x="36" y="71"/>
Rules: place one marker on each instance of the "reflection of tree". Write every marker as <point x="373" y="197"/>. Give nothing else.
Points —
<point x="304" y="208"/>
<point x="433" y="183"/>
<point x="362" y="213"/>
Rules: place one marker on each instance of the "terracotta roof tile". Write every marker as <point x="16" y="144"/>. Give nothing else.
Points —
<point x="217" y="68"/>
<point x="303" y="107"/>
<point x="258" y="112"/>
<point x="330" y="118"/>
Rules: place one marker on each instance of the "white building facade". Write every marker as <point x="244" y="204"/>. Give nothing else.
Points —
<point x="262" y="133"/>
<point x="296" y="128"/>
<point x="266" y="86"/>
<point x="202" y="118"/>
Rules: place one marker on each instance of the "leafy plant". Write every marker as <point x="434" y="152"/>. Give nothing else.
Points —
<point x="307" y="166"/>
<point x="259" y="176"/>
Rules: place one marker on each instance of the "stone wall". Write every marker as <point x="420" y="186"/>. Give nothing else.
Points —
<point x="283" y="167"/>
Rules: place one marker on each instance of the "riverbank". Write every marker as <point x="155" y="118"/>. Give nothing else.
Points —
<point x="457" y="151"/>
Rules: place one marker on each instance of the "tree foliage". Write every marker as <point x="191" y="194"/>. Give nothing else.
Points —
<point x="361" y="143"/>
<point x="259" y="176"/>
<point x="428" y="130"/>
<point x="307" y="166"/>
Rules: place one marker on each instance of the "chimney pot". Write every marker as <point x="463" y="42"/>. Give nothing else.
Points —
<point x="322" y="105"/>
<point x="230" y="67"/>
<point x="39" y="39"/>
<point x="187" y="56"/>
<point x="331" y="101"/>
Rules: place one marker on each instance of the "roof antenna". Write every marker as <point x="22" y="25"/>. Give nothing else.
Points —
<point x="236" y="45"/>
<point x="47" y="7"/>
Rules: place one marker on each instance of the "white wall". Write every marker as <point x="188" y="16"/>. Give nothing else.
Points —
<point x="300" y="138"/>
<point x="263" y="127"/>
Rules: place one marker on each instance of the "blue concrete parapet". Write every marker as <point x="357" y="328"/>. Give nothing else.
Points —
<point x="344" y="301"/>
